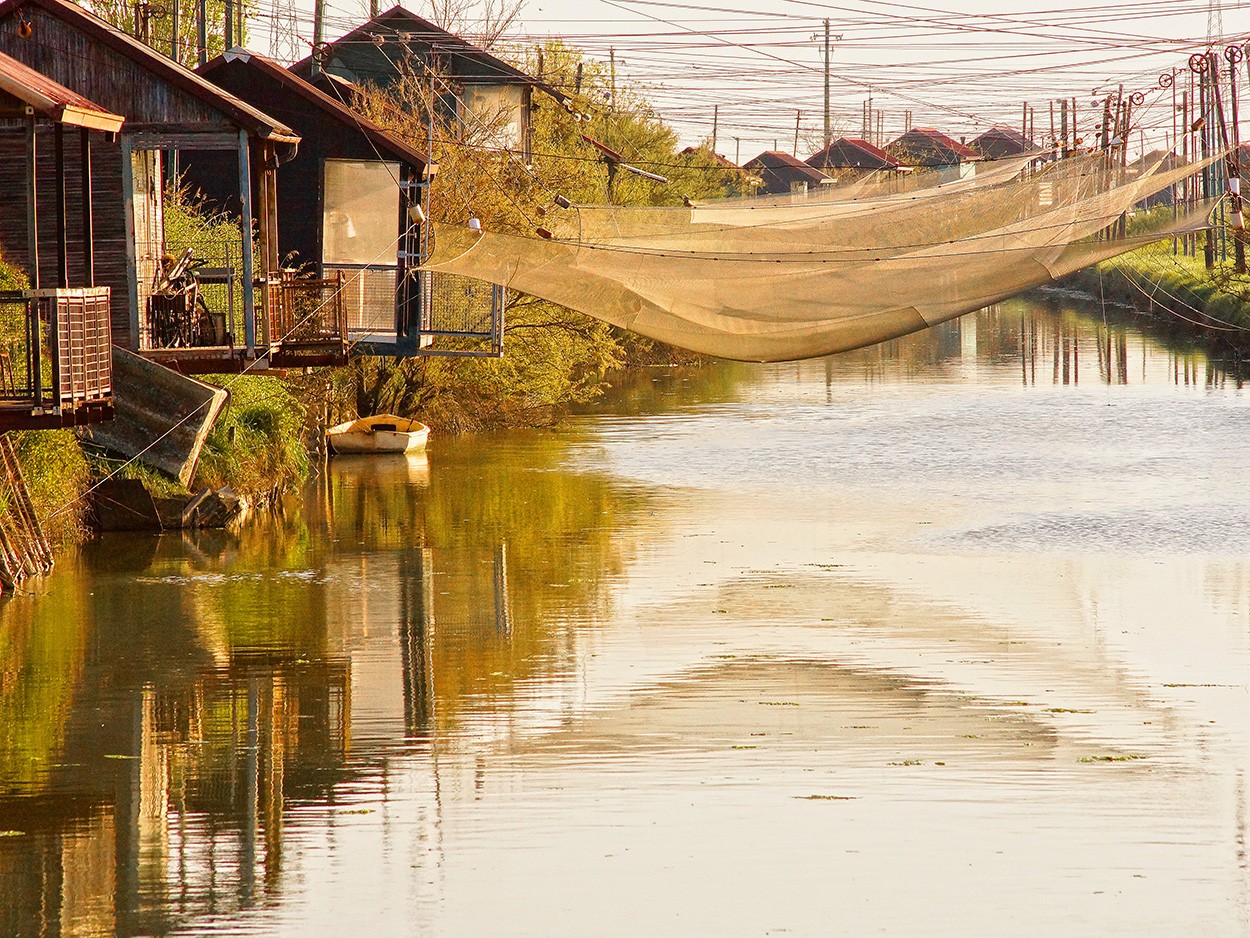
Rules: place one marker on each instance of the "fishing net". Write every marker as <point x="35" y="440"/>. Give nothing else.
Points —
<point x="780" y="280"/>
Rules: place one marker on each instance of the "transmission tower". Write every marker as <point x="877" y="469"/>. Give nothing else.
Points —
<point x="1215" y="23"/>
<point x="284" y="41"/>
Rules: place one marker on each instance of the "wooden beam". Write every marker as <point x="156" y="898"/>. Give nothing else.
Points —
<point x="128" y="213"/>
<point x="88" y="209"/>
<point x="32" y="202"/>
<point x="245" y="224"/>
<point x="62" y="243"/>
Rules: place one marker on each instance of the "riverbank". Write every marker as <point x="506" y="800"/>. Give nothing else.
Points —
<point x="1177" y="296"/>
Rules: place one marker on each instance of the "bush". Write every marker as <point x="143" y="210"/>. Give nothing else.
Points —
<point x="58" y="476"/>
<point x="257" y="447"/>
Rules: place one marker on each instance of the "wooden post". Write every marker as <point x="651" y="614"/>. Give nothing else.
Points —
<point x="228" y="25"/>
<point x="1234" y="55"/>
<point x="32" y="203"/>
<point x="128" y="214"/>
<point x="88" y="209"/>
<point x="62" y="246"/>
<point x="245" y="225"/>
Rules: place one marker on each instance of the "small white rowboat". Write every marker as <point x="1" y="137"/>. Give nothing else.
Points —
<point x="384" y="433"/>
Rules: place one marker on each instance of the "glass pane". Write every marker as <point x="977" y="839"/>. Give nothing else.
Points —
<point x="360" y="223"/>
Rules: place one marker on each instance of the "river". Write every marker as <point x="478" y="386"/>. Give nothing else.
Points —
<point x="945" y="637"/>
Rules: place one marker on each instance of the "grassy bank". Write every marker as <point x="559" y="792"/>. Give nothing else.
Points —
<point x="1178" y="293"/>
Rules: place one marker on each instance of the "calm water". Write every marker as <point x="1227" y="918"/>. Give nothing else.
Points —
<point x="949" y="637"/>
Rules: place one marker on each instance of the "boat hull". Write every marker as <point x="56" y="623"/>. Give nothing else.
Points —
<point x="378" y="435"/>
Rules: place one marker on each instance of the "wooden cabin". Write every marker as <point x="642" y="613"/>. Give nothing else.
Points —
<point x="349" y="200"/>
<point x="491" y="99"/>
<point x="55" y="336"/>
<point x="168" y="109"/>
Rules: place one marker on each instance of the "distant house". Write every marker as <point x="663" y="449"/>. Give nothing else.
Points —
<point x="714" y="157"/>
<point x="1001" y="141"/>
<point x="784" y="173"/>
<point x="486" y="92"/>
<point x="1167" y="160"/>
<point x="925" y="148"/>
<point x="851" y="157"/>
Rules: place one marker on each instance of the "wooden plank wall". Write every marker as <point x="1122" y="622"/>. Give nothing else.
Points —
<point x="109" y="223"/>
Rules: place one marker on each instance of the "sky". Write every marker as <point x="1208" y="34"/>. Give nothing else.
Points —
<point x="754" y="68"/>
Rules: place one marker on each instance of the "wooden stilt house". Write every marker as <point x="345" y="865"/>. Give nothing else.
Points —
<point x="350" y="203"/>
<point x="55" y="337"/>
<point x="168" y="109"/>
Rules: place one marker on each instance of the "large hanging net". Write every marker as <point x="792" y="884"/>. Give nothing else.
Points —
<point x="784" y="278"/>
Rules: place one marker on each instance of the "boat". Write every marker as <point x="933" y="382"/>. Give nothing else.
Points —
<point x="384" y="433"/>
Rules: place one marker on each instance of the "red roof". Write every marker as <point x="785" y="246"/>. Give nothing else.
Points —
<point x="53" y="100"/>
<point x="854" y="153"/>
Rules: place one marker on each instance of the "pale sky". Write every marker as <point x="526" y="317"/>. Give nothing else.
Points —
<point x="959" y="66"/>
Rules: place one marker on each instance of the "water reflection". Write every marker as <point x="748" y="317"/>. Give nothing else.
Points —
<point x="713" y="638"/>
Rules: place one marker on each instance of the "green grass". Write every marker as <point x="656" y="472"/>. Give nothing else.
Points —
<point x="257" y="447"/>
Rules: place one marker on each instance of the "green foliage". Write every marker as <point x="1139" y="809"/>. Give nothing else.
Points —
<point x="554" y="357"/>
<point x="159" y="26"/>
<point x="257" y="447"/>
<point x="58" y="476"/>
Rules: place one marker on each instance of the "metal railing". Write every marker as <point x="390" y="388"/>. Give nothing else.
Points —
<point x="56" y="351"/>
<point x="457" y="307"/>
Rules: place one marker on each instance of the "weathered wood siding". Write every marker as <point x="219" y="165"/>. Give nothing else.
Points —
<point x="108" y="223"/>
<point x="82" y="63"/>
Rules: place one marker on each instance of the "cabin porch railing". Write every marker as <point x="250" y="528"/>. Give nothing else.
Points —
<point x="56" y="357"/>
<point x="307" y="319"/>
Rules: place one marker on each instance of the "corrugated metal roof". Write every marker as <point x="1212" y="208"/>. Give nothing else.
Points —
<point x="53" y="100"/>
<point x="242" y="114"/>
<point x="381" y="138"/>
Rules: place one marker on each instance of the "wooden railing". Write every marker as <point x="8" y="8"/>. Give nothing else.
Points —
<point x="56" y="357"/>
<point x="307" y="320"/>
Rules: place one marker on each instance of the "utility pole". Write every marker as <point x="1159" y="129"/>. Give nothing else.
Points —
<point x="228" y="25"/>
<point x="798" y="116"/>
<point x="612" y="78"/>
<point x="737" y="151"/>
<point x="828" y="127"/>
<point x="201" y="31"/>
<point x="173" y="30"/>
<point x="829" y="39"/>
<point x="1235" y="54"/>
<point x="319" y="17"/>
<point x="715" y="125"/>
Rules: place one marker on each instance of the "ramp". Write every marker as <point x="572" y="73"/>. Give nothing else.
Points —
<point x="160" y="416"/>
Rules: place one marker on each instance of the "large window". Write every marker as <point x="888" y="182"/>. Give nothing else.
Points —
<point x="360" y="229"/>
